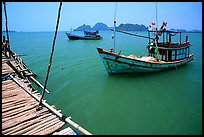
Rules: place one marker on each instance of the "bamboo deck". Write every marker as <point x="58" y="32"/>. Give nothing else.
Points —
<point x="19" y="113"/>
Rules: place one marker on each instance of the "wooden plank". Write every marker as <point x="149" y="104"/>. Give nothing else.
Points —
<point x="21" y="132"/>
<point x="23" y="118"/>
<point x="18" y="115"/>
<point x="17" y="111"/>
<point x="12" y="91"/>
<point x="12" y="99"/>
<point x="16" y="106"/>
<point x="51" y="129"/>
<point x="65" y="131"/>
<point x="14" y="103"/>
<point x="6" y="82"/>
<point x="42" y="127"/>
<point x="10" y="87"/>
<point x="26" y="124"/>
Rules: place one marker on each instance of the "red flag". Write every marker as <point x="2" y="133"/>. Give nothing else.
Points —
<point x="164" y="23"/>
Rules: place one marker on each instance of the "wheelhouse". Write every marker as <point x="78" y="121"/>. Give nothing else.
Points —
<point x="166" y="49"/>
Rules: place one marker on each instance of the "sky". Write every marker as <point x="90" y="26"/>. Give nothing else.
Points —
<point x="42" y="16"/>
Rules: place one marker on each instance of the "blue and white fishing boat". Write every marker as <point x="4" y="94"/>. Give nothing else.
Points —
<point x="88" y="35"/>
<point x="161" y="55"/>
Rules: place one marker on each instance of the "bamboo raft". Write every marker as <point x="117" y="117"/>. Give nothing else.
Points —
<point x="20" y="100"/>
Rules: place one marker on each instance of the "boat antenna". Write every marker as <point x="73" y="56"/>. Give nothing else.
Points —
<point x="50" y="62"/>
<point x="156" y="34"/>
<point x="6" y="25"/>
<point x="156" y="18"/>
<point x="114" y="26"/>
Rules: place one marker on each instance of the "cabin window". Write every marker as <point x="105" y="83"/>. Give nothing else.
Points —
<point x="181" y="53"/>
<point x="173" y="56"/>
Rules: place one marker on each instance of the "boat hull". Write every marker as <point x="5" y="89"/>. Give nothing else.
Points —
<point x="116" y="64"/>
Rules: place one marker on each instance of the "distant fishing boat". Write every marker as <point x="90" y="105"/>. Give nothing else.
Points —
<point x="161" y="55"/>
<point x="88" y="35"/>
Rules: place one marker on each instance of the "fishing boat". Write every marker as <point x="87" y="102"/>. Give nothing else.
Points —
<point x="162" y="55"/>
<point x="88" y="35"/>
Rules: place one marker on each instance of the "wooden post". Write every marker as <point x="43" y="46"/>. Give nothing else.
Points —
<point x="6" y="25"/>
<point x="169" y="38"/>
<point x="186" y="38"/>
<point x="180" y="38"/>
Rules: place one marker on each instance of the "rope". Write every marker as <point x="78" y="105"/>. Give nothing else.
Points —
<point x="50" y="62"/>
<point x="6" y="24"/>
<point x="132" y="34"/>
<point x="115" y="10"/>
<point x="5" y="76"/>
<point x="114" y="25"/>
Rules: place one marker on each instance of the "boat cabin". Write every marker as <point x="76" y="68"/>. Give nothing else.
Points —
<point x="91" y="34"/>
<point x="165" y="49"/>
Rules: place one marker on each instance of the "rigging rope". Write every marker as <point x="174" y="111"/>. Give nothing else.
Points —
<point x="6" y="24"/>
<point x="115" y="10"/>
<point x="132" y="34"/>
<point x="50" y="62"/>
<point x="114" y="26"/>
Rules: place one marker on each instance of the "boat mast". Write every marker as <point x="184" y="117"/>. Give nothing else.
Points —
<point x="114" y="26"/>
<point x="156" y="34"/>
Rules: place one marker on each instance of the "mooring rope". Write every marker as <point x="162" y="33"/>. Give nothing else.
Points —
<point x="50" y="62"/>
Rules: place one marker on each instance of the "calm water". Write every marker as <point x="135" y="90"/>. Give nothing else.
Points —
<point x="168" y="102"/>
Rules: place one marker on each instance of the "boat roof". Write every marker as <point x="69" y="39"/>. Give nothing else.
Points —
<point x="167" y="31"/>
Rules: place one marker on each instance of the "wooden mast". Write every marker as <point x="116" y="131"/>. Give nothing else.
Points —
<point x="114" y="26"/>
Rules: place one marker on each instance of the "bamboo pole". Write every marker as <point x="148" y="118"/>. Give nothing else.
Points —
<point x="38" y="83"/>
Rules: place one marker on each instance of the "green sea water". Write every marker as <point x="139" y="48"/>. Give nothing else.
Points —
<point x="167" y="102"/>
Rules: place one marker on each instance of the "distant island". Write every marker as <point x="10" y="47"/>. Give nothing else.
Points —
<point x="124" y="27"/>
<point x="132" y="27"/>
<point x="98" y="26"/>
<point x="9" y="31"/>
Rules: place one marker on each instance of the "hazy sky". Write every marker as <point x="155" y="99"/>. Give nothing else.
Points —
<point x="42" y="16"/>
